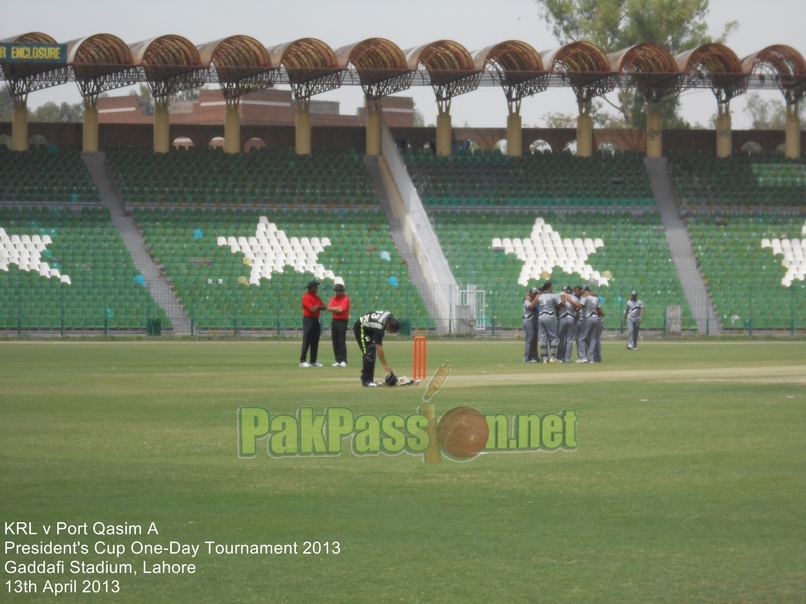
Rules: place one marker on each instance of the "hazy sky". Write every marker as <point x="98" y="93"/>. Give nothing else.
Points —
<point x="410" y="23"/>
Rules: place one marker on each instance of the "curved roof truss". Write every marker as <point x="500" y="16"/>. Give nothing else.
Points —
<point x="23" y="78"/>
<point x="380" y="65"/>
<point x="448" y="66"/>
<point x="585" y="66"/>
<point x="101" y="62"/>
<point x="242" y="65"/>
<point x="652" y="69"/>
<point x="784" y="65"/>
<point x="516" y="66"/>
<point x="171" y="64"/>
<point x="720" y="66"/>
<point x="310" y="66"/>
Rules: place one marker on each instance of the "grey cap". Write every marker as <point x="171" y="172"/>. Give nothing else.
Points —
<point x="534" y="290"/>
<point x="338" y="287"/>
<point x="633" y="294"/>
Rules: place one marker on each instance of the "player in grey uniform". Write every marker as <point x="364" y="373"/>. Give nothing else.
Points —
<point x="568" y="322"/>
<point x="634" y="315"/>
<point x="597" y="350"/>
<point x="580" y="317"/>
<point x="530" y="326"/>
<point x="547" y="324"/>
<point x="588" y="340"/>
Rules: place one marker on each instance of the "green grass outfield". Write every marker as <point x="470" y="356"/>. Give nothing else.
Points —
<point x="687" y="486"/>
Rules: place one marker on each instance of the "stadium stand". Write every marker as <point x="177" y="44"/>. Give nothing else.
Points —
<point x="535" y="180"/>
<point x="212" y="258"/>
<point x="71" y="270"/>
<point x="633" y="252"/>
<point x="210" y="177"/>
<point x="754" y="267"/>
<point x="742" y="181"/>
<point x="45" y="176"/>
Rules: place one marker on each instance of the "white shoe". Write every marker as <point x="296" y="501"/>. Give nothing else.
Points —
<point x="343" y="364"/>
<point x="582" y="360"/>
<point x="304" y="364"/>
<point x="629" y="347"/>
<point x="336" y="365"/>
<point x="370" y="385"/>
<point x="316" y="365"/>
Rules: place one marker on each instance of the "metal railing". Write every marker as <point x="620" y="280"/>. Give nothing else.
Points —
<point x="476" y="310"/>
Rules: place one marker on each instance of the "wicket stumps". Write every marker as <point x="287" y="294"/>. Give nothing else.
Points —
<point x="419" y="372"/>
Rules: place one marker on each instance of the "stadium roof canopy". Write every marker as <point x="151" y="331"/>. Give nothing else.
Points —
<point x="101" y="62"/>
<point x="717" y="65"/>
<point x="380" y="65"/>
<point x="516" y="66"/>
<point x="584" y="65"/>
<point x="784" y="65"/>
<point x="652" y="69"/>
<point x="23" y="78"/>
<point x="171" y="64"/>
<point x="309" y="64"/>
<point x="242" y="65"/>
<point x="450" y="69"/>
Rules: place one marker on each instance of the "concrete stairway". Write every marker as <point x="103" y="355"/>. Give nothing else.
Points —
<point x="112" y="200"/>
<point x="680" y="247"/>
<point x="396" y="230"/>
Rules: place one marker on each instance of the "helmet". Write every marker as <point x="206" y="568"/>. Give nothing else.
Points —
<point x="391" y="380"/>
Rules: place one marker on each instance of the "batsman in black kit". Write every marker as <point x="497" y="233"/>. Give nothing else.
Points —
<point x="369" y="331"/>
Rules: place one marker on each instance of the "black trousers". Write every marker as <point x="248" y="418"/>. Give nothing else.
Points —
<point x="311" y="330"/>
<point x="367" y="346"/>
<point x="338" y="332"/>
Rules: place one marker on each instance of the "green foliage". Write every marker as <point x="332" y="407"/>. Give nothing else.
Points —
<point x="144" y="99"/>
<point x="770" y="115"/>
<point x="601" y="118"/>
<point x="64" y="113"/>
<point x="614" y="25"/>
<point x="559" y="120"/>
<point x="419" y="119"/>
<point x="6" y="104"/>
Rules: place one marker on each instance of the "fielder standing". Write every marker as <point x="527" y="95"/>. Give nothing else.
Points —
<point x="589" y="337"/>
<point x="568" y="322"/>
<point x="547" y="324"/>
<point x="634" y="315"/>
<point x="530" y="326"/>
<point x="580" y="320"/>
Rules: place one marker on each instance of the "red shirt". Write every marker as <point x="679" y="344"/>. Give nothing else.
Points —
<point x="342" y="302"/>
<point x="310" y="300"/>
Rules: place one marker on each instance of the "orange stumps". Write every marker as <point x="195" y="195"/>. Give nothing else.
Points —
<point x="419" y="371"/>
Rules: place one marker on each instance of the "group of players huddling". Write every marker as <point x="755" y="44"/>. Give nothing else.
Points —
<point x="558" y="320"/>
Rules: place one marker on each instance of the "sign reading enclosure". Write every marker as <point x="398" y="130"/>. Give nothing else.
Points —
<point x="33" y="53"/>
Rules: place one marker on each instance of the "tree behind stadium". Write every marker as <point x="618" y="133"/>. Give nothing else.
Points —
<point x="614" y="25"/>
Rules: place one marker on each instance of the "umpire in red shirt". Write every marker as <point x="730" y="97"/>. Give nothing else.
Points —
<point x="312" y="305"/>
<point x="340" y="307"/>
